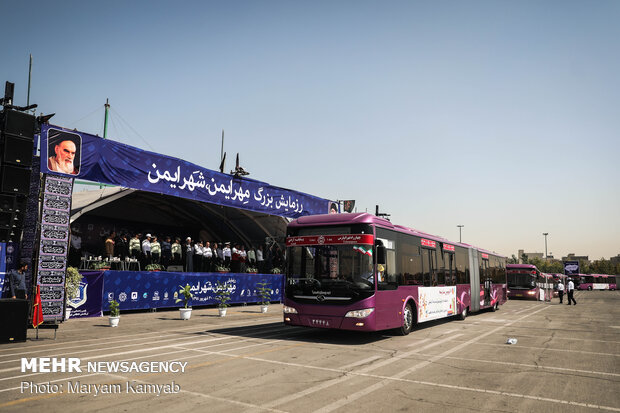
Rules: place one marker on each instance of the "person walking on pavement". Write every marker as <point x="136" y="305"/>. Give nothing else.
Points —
<point x="570" y="288"/>
<point x="561" y="290"/>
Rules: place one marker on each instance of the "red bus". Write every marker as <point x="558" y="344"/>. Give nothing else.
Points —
<point x="361" y="272"/>
<point x="525" y="281"/>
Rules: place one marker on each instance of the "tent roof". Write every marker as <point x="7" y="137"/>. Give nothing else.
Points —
<point x="215" y="221"/>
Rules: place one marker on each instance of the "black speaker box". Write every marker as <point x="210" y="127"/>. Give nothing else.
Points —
<point x="6" y="219"/>
<point x="14" y="320"/>
<point x="7" y="203"/>
<point x="16" y="150"/>
<point x="18" y="123"/>
<point x="15" y="180"/>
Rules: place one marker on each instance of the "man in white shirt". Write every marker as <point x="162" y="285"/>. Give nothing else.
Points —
<point x="207" y="257"/>
<point x="198" y="256"/>
<point x="227" y="254"/>
<point x="570" y="288"/>
<point x="260" y="261"/>
<point x="561" y="291"/>
<point x="146" y="251"/>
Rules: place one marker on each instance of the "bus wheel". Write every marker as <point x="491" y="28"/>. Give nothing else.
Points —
<point x="463" y="314"/>
<point x="590" y="288"/>
<point x="407" y="320"/>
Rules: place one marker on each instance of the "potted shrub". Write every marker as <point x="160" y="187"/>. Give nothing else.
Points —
<point x="73" y="278"/>
<point x="264" y="295"/>
<point x="251" y="270"/>
<point x="153" y="267"/>
<point x="276" y="270"/>
<point x="222" y="296"/>
<point x="186" y="311"/>
<point x="222" y="268"/>
<point x="100" y="266"/>
<point x="115" y="314"/>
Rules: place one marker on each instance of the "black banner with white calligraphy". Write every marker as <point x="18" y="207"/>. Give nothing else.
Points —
<point x="53" y="244"/>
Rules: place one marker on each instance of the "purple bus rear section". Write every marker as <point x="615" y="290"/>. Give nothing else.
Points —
<point x="596" y="282"/>
<point x="388" y="307"/>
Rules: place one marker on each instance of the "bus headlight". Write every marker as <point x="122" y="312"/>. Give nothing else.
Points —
<point x="360" y="313"/>
<point x="531" y="292"/>
<point x="289" y="310"/>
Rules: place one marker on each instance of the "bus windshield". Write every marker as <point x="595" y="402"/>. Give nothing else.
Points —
<point x="335" y="272"/>
<point x="525" y="281"/>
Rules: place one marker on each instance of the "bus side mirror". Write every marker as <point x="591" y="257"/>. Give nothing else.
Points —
<point x="380" y="254"/>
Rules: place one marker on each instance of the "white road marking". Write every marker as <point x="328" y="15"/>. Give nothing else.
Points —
<point x="369" y="389"/>
<point x="332" y="382"/>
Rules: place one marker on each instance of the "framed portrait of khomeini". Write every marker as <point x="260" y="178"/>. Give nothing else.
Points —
<point x="64" y="151"/>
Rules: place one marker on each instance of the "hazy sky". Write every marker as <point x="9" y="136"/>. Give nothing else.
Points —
<point x="502" y="116"/>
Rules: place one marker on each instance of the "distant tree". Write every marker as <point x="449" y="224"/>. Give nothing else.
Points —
<point x="555" y="267"/>
<point x="524" y="258"/>
<point x="538" y="263"/>
<point x="585" y="267"/>
<point x="602" y="266"/>
<point x="513" y="260"/>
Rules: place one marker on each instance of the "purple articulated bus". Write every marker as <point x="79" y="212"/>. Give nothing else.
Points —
<point x="597" y="282"/>
<point x="361" y="272"/>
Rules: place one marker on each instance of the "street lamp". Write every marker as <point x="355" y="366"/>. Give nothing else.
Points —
<point x="545" y="234"/>
<point x="460" y="226"/>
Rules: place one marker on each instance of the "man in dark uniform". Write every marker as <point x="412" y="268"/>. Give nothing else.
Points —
<point x="17" y="281"/>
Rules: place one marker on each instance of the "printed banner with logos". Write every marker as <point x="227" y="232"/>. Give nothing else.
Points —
<point x="89" y="157"/>
<point x="571" y="267"/>
<point x="90" y="298"/>
<point x="436" y="302"/>
<point x="153" y="289"/>
<point x="53" y="245"/>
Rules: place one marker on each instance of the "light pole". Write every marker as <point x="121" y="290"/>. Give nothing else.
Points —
<point x="460" y="227"/>
<point x="545" y="234"/>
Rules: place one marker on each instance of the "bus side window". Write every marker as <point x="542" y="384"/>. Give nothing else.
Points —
<point x="449" y="270"/>
<point x="441" y="267"/>
<point x="426" y="269"/>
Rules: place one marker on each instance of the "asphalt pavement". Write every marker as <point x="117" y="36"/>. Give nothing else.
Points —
<point x="565" y="359"/>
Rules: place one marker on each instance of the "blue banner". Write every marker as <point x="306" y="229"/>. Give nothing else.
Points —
<point x="88" y="303"/>
<point x="89" y="157"/>
<point x="151" y="289"/>
<point x="571" y="267"/>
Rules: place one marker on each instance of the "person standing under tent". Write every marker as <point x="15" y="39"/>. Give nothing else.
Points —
<point x="207" y="257"/>
<point x="75" y="249"/>
<point x="166" y="252"/>
<point x="176" y="251"/>
<point x="198" y="256"/>
<point x="134" y="247"/>
<point x="155" y="250"/>
<point x="260" y="260"/>
<point x="189" y="255"/>
<point x="109" y="245"/>
<point x="146" y="251"/>
<point x="227" y="253"/>
<point x="251" y="257"/>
